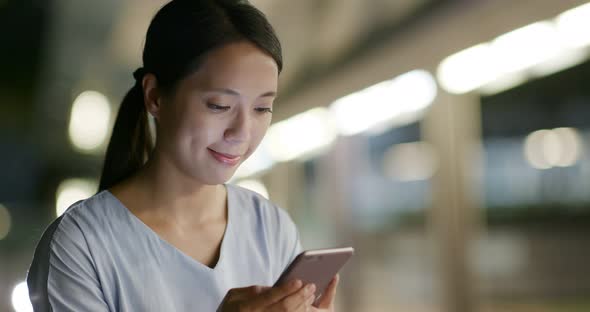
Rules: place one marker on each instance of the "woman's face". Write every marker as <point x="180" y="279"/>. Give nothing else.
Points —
<point x="218" y="115"/>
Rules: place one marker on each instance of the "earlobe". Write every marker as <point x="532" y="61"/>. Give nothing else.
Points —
<point x="151" y="95"/>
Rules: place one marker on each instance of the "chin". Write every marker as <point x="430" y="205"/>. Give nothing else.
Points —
<point x="218" y="177"/>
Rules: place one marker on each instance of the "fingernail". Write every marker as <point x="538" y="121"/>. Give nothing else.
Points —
<point x="310" y="288"/>
<point x="296" y="283"/>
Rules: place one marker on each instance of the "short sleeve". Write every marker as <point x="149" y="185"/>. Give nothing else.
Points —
<point x="62" y="276"/>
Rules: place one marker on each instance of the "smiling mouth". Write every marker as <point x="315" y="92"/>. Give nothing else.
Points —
<point x="223" y="158"/>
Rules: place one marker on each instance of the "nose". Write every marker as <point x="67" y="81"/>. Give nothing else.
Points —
<point x="238" y="130"/>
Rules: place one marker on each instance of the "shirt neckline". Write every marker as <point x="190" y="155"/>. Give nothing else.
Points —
<point x="224" y="242"/>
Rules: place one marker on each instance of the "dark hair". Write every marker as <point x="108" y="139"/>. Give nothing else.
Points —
<point x="179" y="36"/>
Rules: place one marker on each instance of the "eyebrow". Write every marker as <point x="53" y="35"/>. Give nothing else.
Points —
<point x="236" y="93"/>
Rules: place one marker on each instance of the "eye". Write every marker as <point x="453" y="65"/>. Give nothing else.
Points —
<point x="217" y="107"/>
<point x="264" y="110"/>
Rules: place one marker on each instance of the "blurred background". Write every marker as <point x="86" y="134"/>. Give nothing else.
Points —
<point x="447" y="141"/>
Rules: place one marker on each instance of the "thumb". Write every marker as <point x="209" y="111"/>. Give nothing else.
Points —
<point x="254" y="290"/>
<point x="236" y="295"/>
<point x="242" y="293"/>
<point x="257" y="290"/>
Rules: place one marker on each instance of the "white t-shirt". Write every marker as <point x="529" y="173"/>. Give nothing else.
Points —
<point x="98" y="256"/>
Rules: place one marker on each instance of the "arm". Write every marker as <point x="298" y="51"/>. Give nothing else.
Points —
<point x="62" y="276"/>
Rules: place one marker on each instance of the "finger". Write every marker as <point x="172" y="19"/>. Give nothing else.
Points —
<point x="275" y="294"/>
<point x="298" y="301"/>
<point x="327" y="299"/>
<point x="308" y="305"/>
<point x="303" y="307"/>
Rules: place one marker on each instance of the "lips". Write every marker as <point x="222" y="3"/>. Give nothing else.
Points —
<point x="223" y="158"/>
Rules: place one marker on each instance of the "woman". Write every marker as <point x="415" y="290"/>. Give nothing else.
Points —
<point x="164" y="232"/>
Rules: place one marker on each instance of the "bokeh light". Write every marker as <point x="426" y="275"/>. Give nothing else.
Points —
<point x="5" y="221"/>
<point x="71" y="191"/>
<point x="301" y="135"/>
<point x="560" y="147"/>
<point x="389" y="103"/>
<point x="20" y="298"/>
<point x="572" y="24"/>
<point x="259" y="161"/>
<point x="413" y="161"/>
<point x="89" y="121"/>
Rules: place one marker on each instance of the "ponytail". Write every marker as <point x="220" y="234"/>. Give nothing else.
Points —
<point x="131" y="140"/>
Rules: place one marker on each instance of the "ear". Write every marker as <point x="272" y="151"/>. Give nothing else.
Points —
<point x="151" y="95"/>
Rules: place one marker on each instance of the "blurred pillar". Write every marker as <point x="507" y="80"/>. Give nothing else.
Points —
<point x="336" y="173"/>
<point x="276" y="183"/>
<point x="452" y="126"/>
<point x="286" y="185"/>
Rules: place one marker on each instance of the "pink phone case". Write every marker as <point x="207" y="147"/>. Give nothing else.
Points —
<point x="316" y="266"/>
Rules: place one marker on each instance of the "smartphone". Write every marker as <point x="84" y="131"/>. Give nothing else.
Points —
<point x="317" y="266"/>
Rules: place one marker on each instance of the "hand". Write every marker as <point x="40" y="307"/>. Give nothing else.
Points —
<point x="291" y="297"/>
<point x="326" y="302"/>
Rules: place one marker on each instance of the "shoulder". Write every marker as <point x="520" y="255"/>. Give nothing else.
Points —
<point x="94" y="212"/>
<point x="81" y="221"/>
<point x="252" y="204"/>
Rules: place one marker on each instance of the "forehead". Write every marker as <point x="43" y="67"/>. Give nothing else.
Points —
<point x="240" y="65"/>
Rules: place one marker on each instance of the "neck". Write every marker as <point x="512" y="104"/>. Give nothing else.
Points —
<point x="171" y="195"/>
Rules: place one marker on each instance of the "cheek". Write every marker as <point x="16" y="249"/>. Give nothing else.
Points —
<point x="192" y="120"/>
<point x="258" y="132"/>
<point x="202" y="131"/>
<point x="174" y="120"/>
<point x="191" y="131"/>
